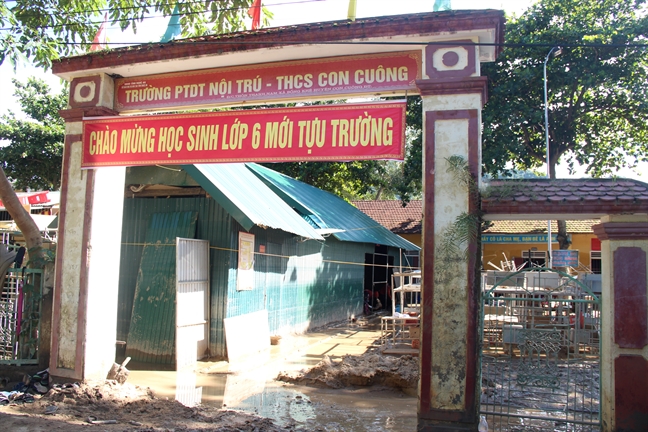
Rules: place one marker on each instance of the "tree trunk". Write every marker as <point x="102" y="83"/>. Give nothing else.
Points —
<point x="379" y="193"/>
<point x="24" y="221"/>
<point x="563" y="238"/>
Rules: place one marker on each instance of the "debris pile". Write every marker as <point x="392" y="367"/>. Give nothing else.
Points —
<point x="369" y="369"/>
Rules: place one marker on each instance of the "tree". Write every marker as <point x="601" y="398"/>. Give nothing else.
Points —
<point x="597" y="93"/>
<point x="33" y="157"/>
<point x="48" y="29"/>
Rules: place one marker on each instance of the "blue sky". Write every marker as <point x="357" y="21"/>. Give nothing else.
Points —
<point x="287" y="12"/>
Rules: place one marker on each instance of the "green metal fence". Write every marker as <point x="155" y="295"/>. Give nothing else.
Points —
<point x="541" y="352"/>
<point x="20" y="316"/>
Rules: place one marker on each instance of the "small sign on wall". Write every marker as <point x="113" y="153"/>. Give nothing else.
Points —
<point x="564" y="258"/>
<point x="245" y="274"/>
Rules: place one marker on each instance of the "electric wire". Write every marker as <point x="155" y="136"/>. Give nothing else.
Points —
<point x="145" y="8"/>
<point x="382" y="43"/>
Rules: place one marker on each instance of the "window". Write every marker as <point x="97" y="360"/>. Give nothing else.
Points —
<point x="538" y="258"/>
<point x="412" y="259"/>
<point x="595" y="262"/>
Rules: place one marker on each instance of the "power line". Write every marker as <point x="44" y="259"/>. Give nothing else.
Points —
<point x="145" y="7"/>
<point x="311" y="42"/>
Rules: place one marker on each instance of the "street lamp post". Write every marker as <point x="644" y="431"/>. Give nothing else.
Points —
<point x="556" y="50"/>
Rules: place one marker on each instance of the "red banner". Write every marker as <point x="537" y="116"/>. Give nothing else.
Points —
<point x="315" y="133"/>
<point x="371" y="74"/>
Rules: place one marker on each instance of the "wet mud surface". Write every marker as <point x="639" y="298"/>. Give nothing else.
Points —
<point x="315" y="386"/>
<point x="369" y="369"/>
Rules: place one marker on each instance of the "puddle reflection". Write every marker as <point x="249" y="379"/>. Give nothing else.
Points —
<point x="250" y="388"/>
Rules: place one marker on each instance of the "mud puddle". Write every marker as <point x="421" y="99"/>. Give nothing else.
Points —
<point x="255" y="391"/>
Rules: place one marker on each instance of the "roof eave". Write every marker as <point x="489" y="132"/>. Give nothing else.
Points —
<point x="486" y="25"/>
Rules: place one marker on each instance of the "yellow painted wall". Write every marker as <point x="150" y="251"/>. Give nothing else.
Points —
<point x="414" y="238"/>
<point x="493" y="251"/>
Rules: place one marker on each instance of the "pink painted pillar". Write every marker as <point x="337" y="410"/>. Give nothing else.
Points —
<point x="624" y="318"/>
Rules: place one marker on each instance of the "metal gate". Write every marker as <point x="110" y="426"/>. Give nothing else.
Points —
<point x="540" y="353"/>
<point x="20" y="314"/>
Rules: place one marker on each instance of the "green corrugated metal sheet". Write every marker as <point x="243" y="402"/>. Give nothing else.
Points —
<point x="303" y="285"/>
<point x="214" y="224"/>
<point x="151" y="336"/>
<point x="334" y="212"/>
<point x="248" y="199"/>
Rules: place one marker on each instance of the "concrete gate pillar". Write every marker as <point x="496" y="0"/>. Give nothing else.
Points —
<point x="624" y="318"/>
<point x="453" y="95"/>
<point x="87" y="258"/>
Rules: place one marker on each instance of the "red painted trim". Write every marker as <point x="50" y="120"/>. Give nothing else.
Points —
<point x="539" y="208"/>
<point x="96" y="79"/>
<point x="474" y="290"/>
<point x="621" y="231"/>
<point x="72" y="115"/>
<point x="630" y="393"/>
<point x="305" y="34"/>
<point x="435" y="74"/>
<point x="469" y="415"/>
<point x="437" y="87"/>
<point x="427" y="267"/>
<point x="78" y="114"/>
<point x="630" y="302"/>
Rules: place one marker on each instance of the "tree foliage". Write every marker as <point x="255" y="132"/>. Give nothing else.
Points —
<point x="597" y="93"/>
<point x="44" y="30"/>
<point x="33" y="157"/>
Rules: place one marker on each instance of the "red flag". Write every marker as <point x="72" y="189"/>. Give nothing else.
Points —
<point x="99" y="41"/>
<point x="255" y="14"/>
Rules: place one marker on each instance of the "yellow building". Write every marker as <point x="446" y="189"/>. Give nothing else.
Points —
<point x="503" y="241"/>
<point x="518" y="241"/>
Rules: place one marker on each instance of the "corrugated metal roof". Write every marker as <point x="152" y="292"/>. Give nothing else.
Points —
<point x="248" y="199"/>
<point x="333" y="211"/>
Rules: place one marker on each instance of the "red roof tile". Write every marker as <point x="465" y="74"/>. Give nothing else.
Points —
<point x="538" y="226"/>
<point x="392" y="215"/>
<point x="567" y="196"/>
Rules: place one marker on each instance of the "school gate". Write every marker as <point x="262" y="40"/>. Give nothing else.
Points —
<point x="435" y="55"/>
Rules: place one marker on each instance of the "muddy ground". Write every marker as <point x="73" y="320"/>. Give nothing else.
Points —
<point x="369" y="369"/>
<point x="110" y="406"/>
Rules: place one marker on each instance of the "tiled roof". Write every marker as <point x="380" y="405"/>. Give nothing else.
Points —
<point x="538" y="226"/>
<point x="392" y="215"/>
<point x="407" y="220"/>
<point x="565" y="196"/>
